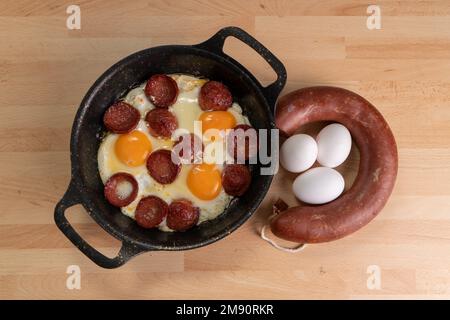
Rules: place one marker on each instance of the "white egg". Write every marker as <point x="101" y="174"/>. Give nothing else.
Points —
<point x="318" y="185"/>
<point x="298" y="153"/>
<point x="334" y="143"/>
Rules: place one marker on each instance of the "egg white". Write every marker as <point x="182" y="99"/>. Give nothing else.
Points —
<point x="137" y="98"/>
<point x="187" y="110"/>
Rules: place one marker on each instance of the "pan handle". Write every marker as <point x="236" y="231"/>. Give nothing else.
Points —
<point x="217" y="41"/>
<point x="71" y="198"/>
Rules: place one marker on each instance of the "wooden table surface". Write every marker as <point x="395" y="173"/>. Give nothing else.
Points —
<point x="402" y="68"/>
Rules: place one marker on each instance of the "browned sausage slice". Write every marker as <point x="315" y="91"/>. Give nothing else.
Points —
<point x="214" y="96"/>
<point x="189" y="148"/>
<point x="121" y="189"/>
<point x="377" y="166"/>
<point x="161" y="123"/>
<point x="161" y="167"/>
<point x="161" y="90"/>
<point x="236" y="179"/>
<point x="242" y="142"/>
<point x="121" y="117"/>
<point x="182" y="215"/>
<point x="151" y="211"/>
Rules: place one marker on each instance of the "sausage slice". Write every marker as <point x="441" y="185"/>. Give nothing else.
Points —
<point x="236" y="179"/>
<point x="161" y="167"/>
<point x="121" y="117"/>
<point x="214" y="96"/>
<point x="121" y="189"/>
<point x="242" y="142"/>
<point x="161" y="123"/>
<point x="161" y="90"/>
<point x="151" y="211"/>
<point x="189" y="148"/>
<point x="182" y="215"/>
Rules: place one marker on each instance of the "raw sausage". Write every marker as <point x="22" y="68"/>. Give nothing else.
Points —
<point x="214" y="96"/>
<point x="236" y="179"/>
<point x="151" y="211"/>
<point x="377" y="167"/>
<point x="121" y="117"/>
<point x="161" y="90"/>
<point x="242" y="141"/>
<point x="121" y="189"/>
<point x="161" y="167"/>
<point x="161" y="123"/>
<point x="182" y="215"/>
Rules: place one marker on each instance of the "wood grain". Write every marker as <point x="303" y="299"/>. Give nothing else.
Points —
<point x="404" y="69"/>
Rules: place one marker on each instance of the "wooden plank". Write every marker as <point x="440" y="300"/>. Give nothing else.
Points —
<point x="403" y="69"/>
<point x="230" y="7"/>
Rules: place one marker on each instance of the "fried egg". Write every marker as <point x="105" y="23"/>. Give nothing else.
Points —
<point x="199" y="183"/>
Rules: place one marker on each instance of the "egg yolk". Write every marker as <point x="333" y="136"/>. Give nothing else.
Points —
<point x="133" y="148"/>
<point x="204" y="181"/>
<point x="219" y="120"/>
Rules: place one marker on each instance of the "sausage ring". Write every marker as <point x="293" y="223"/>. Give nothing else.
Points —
<point x="377" y="167"/>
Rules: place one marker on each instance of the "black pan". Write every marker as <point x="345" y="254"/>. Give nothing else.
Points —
<point x="206" y="59"/>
